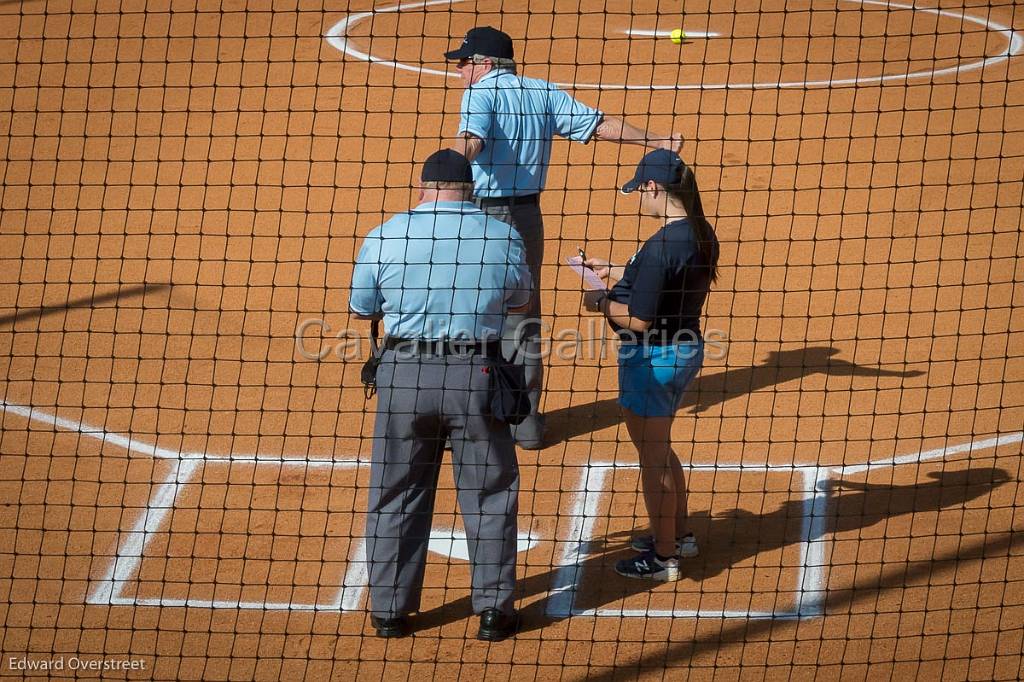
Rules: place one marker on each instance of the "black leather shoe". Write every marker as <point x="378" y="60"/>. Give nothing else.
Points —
<point x="496" y="626"/>
<point x="390" y="627"/>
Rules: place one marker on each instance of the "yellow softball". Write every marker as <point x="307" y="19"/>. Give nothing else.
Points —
<point x="677" y="35"/>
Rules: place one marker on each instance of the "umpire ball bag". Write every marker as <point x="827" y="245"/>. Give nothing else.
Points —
<point x="510" y="399"/>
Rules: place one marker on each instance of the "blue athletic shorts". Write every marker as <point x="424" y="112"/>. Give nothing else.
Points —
<point x="653" y="379"/>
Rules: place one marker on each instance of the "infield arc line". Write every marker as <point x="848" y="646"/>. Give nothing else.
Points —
<point x="337" y="37"/>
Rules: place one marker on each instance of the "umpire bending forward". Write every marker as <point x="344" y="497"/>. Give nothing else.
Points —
<point x="443" y="277"/>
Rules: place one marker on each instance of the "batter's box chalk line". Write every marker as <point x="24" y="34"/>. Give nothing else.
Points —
<point x="811" y="580"/>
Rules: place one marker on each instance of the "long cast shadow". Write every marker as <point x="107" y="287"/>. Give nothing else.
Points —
<point x="862" y="594"/>
<point x="708" y="390"/>
<point x="734" y="537"/>
<point x="120" y="294"/>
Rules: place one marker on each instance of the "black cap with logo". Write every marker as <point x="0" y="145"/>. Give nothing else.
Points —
<point x="486" y="41"/>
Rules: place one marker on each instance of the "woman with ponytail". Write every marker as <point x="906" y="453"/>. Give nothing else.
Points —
<point x="655" y="303"/>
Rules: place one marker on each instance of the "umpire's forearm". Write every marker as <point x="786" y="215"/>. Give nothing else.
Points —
<point x="617" y="130"/>
<point x="468" y="145"/>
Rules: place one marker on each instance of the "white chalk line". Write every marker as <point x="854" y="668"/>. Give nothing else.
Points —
<point x="562" y="596"/>
<point x="561" y="603"/>
<point x="136" y="446"/>
<point x="357" y="577"/>
<point x="812" y="577"/>
<point x="813" y="564"/>
<point x="337" y="37"/>
<point x="141" y="447"/>
<point x="219" y="604"/>
<point x="132" y="545"/>
<point x="688" y="613"/>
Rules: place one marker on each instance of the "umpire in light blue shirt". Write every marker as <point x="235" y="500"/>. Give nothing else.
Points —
<point x="443" y="277"/>
<point x="506" y="129"/>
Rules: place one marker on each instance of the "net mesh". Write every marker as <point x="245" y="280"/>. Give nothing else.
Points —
<point x="185" y="446"/>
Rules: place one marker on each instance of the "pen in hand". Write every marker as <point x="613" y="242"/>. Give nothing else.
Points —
<point x="598" y="266"/>
<point x="583" y="258"/>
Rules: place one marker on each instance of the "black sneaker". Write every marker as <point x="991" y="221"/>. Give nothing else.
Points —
<point x="648" y="565"/>
<point x="496" y="626"/>
<point x="390" y="627"/>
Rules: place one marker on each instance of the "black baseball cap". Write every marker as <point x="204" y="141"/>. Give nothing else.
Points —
<point x="663" y="166"/>
<point x="447" y="165"/>
<point x="486" y="41"/>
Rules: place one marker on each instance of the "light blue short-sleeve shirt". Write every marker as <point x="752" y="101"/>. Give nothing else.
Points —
<point x="444" y="270"/>
<point x="517" y="118"/>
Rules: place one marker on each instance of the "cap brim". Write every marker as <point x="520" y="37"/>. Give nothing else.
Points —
<point x="630" y="187"/>
<point x="460" y="53"/>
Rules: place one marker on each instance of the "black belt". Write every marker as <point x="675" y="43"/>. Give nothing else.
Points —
<point x="523" y="200"/>
<point x="443" y="346"/>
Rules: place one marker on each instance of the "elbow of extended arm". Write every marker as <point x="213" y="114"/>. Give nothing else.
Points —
<point x="469" y="145"/>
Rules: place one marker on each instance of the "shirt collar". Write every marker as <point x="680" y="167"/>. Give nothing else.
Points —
<point x="493" y="73"/>
<point x="445" y="207"/>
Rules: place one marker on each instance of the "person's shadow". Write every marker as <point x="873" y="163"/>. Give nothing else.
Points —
<point x="736" y="537"/>
<point x="708" y="390"/>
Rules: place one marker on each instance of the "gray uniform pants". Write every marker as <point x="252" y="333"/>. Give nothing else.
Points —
<point x="529" y="222"/>
<point x="422" y="401"/>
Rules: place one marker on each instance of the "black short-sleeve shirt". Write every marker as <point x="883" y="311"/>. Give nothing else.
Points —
<point x="666" y="284"/>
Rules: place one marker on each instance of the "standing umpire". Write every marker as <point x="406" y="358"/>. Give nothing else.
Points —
<point x="506" y="128"/>
<point x="443" y="277"/>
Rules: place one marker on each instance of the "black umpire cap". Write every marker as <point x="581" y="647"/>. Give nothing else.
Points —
<point x="447" y="165"/>
<point x="483" y="40"/>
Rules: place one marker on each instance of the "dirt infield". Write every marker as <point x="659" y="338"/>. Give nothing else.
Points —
<point x="184" y="184"/>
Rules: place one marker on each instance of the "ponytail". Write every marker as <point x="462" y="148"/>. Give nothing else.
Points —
<point x="687" y="194"/>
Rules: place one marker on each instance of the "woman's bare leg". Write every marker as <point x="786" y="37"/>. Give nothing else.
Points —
<point x="662" y="480"/>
